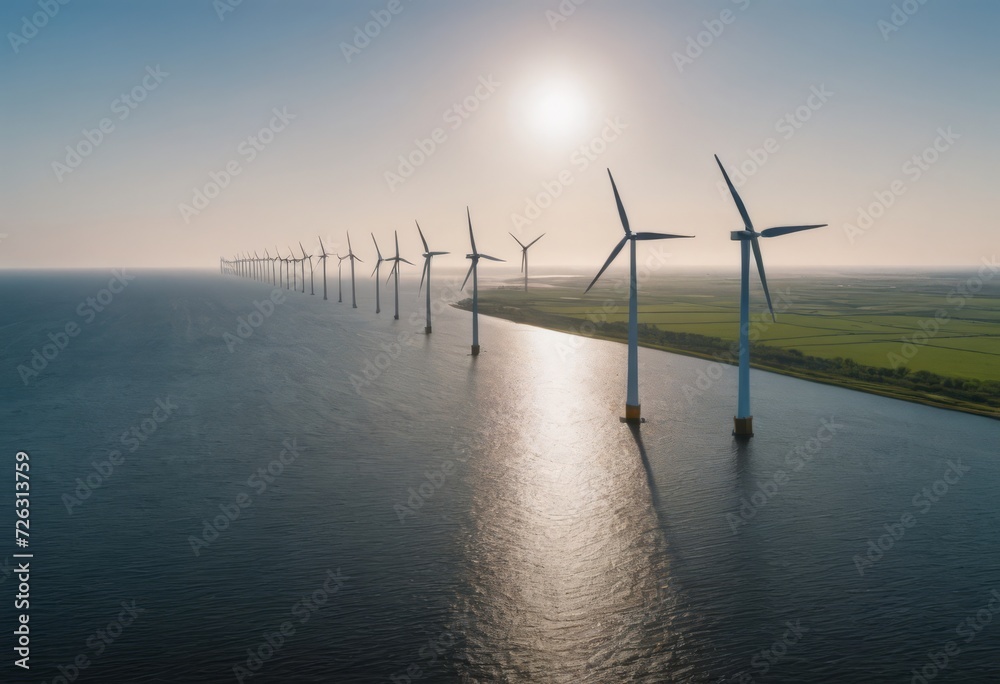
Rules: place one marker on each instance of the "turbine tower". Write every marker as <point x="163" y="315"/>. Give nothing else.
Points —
<point x="323" y="254"/>
<point x="353" y="257"/>
<point x="295" y="269"/>
<point x="524" y="255"/>
<point x="743" y="420"/>
<point x="378" y="265"/>
<point x="395" y="271"/>
<point x="428" y="255"/>
<point x="475" y="256"/>
<point x="633" y="413"/>
<point x="340" y="280"/>
<point x="312" y="272"/>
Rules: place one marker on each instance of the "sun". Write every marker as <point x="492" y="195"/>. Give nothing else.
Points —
<point x="556" y="109"/>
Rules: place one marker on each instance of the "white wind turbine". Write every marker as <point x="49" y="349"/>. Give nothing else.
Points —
<point x="633" y="413"/>
<point x="312" y="272"/>
<point x="475" y="256"/>
<point x="428" y="255"/>
<point x="743" y="420"/>
<point x="376" y="273"/>
<point x="295" y="269"/>
<point x="323" y="254"/>
<point x="340" y="280"/>
<point x="353" y="257"/>
<point x="524" y="255"/>
<point x="395" y="271"/>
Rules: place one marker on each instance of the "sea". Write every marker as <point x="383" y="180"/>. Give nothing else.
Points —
<point x="233" y="482"/>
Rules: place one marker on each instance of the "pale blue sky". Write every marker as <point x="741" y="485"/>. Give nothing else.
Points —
<point x="325" y="172"/>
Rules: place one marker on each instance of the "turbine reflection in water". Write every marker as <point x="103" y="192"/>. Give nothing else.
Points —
<point x="567" y="558"/>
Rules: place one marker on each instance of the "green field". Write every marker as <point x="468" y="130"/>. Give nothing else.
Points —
<point x="930" y="338"/>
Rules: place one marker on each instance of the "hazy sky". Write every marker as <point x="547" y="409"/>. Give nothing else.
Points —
<point x="829" y="107"/>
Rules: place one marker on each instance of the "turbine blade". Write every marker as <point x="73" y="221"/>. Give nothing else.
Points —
<point x="516" y="240"/>
<point x="621" y="207"/>
<point x="785" y="230"/>
<point x="303" y="250"/>
<point x="426" y="248"/>
<point x="607" y="263"/>
<point x="763" y="278"/>
<point x="407" y="262"/>
<point x="471" y="236"/>
<point x="535" y="240"/>
<point x="396" y="233"/>
<point x="468" y="274"/>
<point x="376" y="247"/>
<point x="437" y="253"/>
<point x="427" y="263"/>
<point x="659" y="236"/>
<point x="736" y="196"/>
<point x="349" y="250"/>
<point x="321" y="247"/>
<point x="487" y="256"/>
<point x="375" y="270"/>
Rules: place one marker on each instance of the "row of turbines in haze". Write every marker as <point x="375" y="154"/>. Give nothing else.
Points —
<point x="278" y="269"/>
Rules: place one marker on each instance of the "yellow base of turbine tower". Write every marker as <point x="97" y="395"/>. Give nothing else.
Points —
<point x="743" y="427"/>
<point x="632" y="414"/>
<point x="475" y="350"/>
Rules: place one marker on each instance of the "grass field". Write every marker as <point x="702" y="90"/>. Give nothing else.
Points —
<point x="942" y="329"/>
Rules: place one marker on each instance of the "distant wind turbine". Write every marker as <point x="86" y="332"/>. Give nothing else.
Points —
<point x="295" y="269"/>
<point x="312" y="272"/>
<point x="395" y="271"/>
<point x="323" y="254"/>
<point x="632" y="407"/>
<point x="353" y="257"/>
<point x="340" y="280"/>
<point x="743" y="421"/>
<point x="524" y="255"/>
<point x="475" y="256"/>
<point x="376" y="273"/>
<point x="428" y="255"/>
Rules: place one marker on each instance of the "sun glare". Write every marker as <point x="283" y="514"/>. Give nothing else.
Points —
<point x="557" y="109"/>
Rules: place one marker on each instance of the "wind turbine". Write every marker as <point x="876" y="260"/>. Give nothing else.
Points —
<point x="395" y="270"/>
<point x="281" y="262"/>
<point x="312" y="272"/>
<point x="524" y="255"/>
<point x="340" y="281"/>
<point x="475" y="256"/>
<point x="353" y="257"/>
<point x="428" y="255"/>
<point x="295" y="269"/>
<point x="378" y="264"/>
<point x="633" y="413"/>
<point x="323" y="254"/>
<point x="743" y="421"/>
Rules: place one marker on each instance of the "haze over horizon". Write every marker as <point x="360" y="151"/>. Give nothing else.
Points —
<point x="120" y="115"/>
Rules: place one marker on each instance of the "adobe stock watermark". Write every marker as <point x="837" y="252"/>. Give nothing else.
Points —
<point x="922" y="501"/>
<point x="454" y="117"/>
<point x="364" y="35"/>
<point x="697" y="44"/>
<point x="930" y="327"/>
<point x="563" y="11"/>
<point x="245" y="327"/>
<point x="258" y="482"/>
<point x="765" y="659"/>
<point x="581" y="159"/>
<point x="122" y="107"/>
<point x="796" y="459"/>
<point x="224" y="7"/>
<point x="59" y="341"/>
<point x="31" y="25"/>
<point x="913" y="170"/>
<point x="434" y="480"/>
<point x="248" y="150"/>
<point x="968" y="629"/>
<point x="273" y="640"/>
<point x="900" y="15"/>
<point x="130" y="439"/>
<point x="98" y="642"/>
<point x="429" y="654"/>
<point x="759" y="324"/>
<point x="787" y="126"/>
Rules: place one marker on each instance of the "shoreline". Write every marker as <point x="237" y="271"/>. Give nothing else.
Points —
<point x="530" y="316"/>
